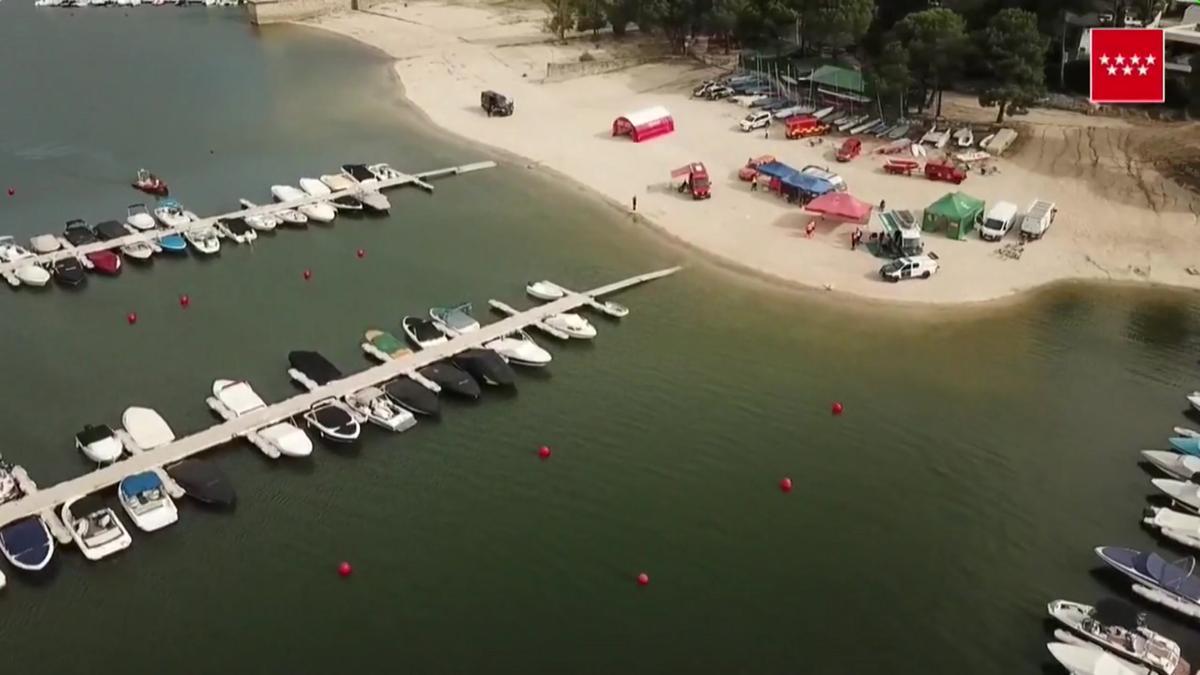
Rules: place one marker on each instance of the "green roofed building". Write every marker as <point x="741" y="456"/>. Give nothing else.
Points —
<point x="956" y="213"/>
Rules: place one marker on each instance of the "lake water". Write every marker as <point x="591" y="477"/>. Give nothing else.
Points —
<point x="981" y="456"/>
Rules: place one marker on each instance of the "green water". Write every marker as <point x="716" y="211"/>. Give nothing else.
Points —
<point x="980" y="458"/>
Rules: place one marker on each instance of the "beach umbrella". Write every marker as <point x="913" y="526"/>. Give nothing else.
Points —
<point x="841" y="206"/>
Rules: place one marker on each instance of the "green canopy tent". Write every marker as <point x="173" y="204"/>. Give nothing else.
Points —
<point x="956" y="213"/>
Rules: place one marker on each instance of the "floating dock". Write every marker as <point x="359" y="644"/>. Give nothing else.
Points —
<point x="43" y="502"/>
<point x="153" y="236"/>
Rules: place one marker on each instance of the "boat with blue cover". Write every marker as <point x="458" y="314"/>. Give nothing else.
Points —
<point x="173" y="243"/>
<point x="1186" y="445"/>
<point x="1170" y="584"/>
<point x="26" y="544"/>
<point x="145" y="499"/>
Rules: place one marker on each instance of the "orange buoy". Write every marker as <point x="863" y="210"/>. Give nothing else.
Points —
<point x="131" y="318"/>
<point x="643" y="579"/>
<point x="361" y="253"/>
<point x="345" y="570"/>
<point x="307" y="274"/>
<point x="184" y="301"/>
<point x="786" y="484"/>
<point x="838" y="408"/>
<point x="544" y="452"/>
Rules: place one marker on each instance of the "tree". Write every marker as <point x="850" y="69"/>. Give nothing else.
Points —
<point x="1015" y="53"/>
<point x="890" y="75"/>
<point x="589" y="15"/>
<point x="620" y="13"/>
<point x="936" y="40"/>
<point x="838" y="23"/>
<point x="562" y="17"/>
<point x="674" y="18"/>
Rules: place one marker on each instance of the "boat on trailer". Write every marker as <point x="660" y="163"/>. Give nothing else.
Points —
<point x="204" y="481"/>
<point x="376" y="406"/>
<point x="451" y="379"/>
<point x="413" y="396"/>
<point x="27" y="544"/>
<point x="98" y="534"/>
<point x="1091" y="660"/>
<point x="145" y="500"/>
<point x="99" y="443"/>
<point x="1117" y="627"/>
<point x="454" y="321"/>
<point x="1156" y="579"/>
<point x="423" y="332"/>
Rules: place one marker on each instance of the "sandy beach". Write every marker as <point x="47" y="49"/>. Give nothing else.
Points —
<point x="1119" y="218"/>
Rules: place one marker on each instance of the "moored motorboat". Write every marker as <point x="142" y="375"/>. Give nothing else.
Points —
<point x="1184" y="493"/>
<point x="1187" y="431"/>
<point x="270" y="220"/>
<point x="204" y="239"/>
<point x="333" y="421"/>
<point x="1156" y="579"/>
<point x="236" y="229"/>
<point x="69" y="272"/>
<point x="98" y="534"/>
<point x="1174" y="525"/>
<point x="78" y="234"/>
<point x="173" y="243"/>
<point x="99" y="443"/>
<point x="26" y="271"/>
<point x="145" y="499"/>
<point x="204" y="481"/>
<point x="149" y="183"/>
<point x="321" y="212"/>
<point x="413" y="396"/>
<point x="384" y="172"/>
<point x="311" y="370"/>
<point x="1194" y="399"/>
<point x="171" y="214"/>
<point x="317" y="188"/>
<point x="45" y="243"/>
<point x="138" y="217"/>
<point x="451" y="379"/>
<point x="374" y="405"/>
<point x="1173" y="463"/>
<point x="347" y="203"/>
<point x="520" y="349"/>
<point x="146" y="427"/>
<point x="383" y="345"/>
<point x="1117" y="627"/>
<point x="367" y="184"/>
<point x="486" y="366"/>
<point x="289" y="439"/>
<point x="27" y="544"/>
<point x="1091" y="660"/>
<point x="572" y="324"/>
<point x="454" y="321"/>
<point x="544" y="290"/>
<point x="112" y="229"/>
<point x="615" y="309"/>
<point x="423" y="332"/>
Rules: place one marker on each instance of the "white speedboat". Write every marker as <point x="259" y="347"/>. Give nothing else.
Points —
<point x="1194" y="399"/>
<point x="289" y="216"/>
<point x="238" y="397"/>
<point x="236" y="229"/>
<point x="138" y="250"/>
<point x="289" y="439"/>
<point x="615" y="309"/>
<point x="138" y="217"/>
<point x="146" y="427"/>
<point x="367" y="186"/>
<point x="99" y="534"/>
<point x="1187" y="431"/>
<point x="544" y="290"/>
<point x="1184" y="493"/>
<point x="374" y="405"/>
<point x="145" y="499"/>
<point x="1118" y="627"/>
<point x="964" y="137"/>
<point x="321" y="212"/>
<point x="45" y="243"/>
<point x="423" y="332"/>
<point x="171" y="214"/>
<point x="314" y="187"/>
<point x="338" y="181"/>
<point x="1092" y="660"/>
<point x="384" y="172"/>
<point x="572" y="324"/>
<point x="204" y="239"/>
<point x="1173" y="463"/>
<point x="265" y="222"/>
<point x="454" y="321"/>
<point x="25" y="270"/>
<point x="1181" y="527"/>
<point x="334" y="421"/>
<point x="99" y="443"/>
<point x="520" y="349"/>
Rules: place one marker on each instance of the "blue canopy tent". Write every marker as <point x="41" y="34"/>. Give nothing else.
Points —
<point x="776" y="170"/>
<point x="803" y="187"/>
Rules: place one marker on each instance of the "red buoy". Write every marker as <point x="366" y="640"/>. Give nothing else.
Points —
<point x="544" y="452"/>
<point x="361" y="253"/>
<point x="131" y="318"/>
<point x="307" y="274"/>
<point x="643" y="579"/>
<point x="785" y="484"/>
<point x="184" y="301"/>
<point x="12" y="191"/>
<point x="345" y="570"/>
<point x="838" y="408"/>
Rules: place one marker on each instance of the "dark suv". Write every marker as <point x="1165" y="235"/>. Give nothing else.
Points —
<point x="495" y="104"/>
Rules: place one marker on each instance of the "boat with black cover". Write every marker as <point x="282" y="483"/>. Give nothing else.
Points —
<point x="486" y="366"/>
<point x="423" y="332"/>
<point x="112" y="229"/>
<point x="413" y="396"/>
<point x="333" y="421"/>
<point x="314" y="367"/>
<point x="69" y="272"/>
<point x="204" y="481"/>
<point x="451" y="378"/>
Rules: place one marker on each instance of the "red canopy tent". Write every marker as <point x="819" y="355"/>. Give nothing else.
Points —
<point x="644" y="124"/>
<point x="841" y="206"/>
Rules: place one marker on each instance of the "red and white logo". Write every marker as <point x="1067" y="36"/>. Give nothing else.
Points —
<point x="1127" y="65"/>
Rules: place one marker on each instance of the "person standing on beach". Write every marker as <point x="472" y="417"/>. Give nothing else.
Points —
<point x="635" y="202"/>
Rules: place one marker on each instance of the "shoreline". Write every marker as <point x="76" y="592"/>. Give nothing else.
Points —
<point x="436" y="53"/>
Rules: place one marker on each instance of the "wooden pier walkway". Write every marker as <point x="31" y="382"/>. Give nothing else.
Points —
<point x="152" y="236"/>
<point x="44" y="501"/>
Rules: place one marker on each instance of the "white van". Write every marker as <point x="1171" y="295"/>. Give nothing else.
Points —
<point x="998" y="221"/>
<point x="1038" y="219"/>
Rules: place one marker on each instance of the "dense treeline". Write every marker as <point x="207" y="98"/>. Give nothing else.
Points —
<point x="910" y="50"/>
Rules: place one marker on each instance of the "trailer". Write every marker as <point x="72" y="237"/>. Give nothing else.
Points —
<point x="695" y="181"/>
<point x="901" y="167"/>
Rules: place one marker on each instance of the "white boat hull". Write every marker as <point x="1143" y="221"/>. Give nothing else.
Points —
<point x="289" y="439"/>
<point x="544" y="290"/>
<point x="93" y="550"/>
<point x="152" y="521"/>
<point x="1173" y="463"/>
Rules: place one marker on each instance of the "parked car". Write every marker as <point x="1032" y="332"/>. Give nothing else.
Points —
<point x="918" y="266"/>
<point x="755" y="120"/>
<point x="703" y="88"/>
<point x="495" y="104"/>
<point x="998" y="221"/>
<point x="718" y="92"/>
